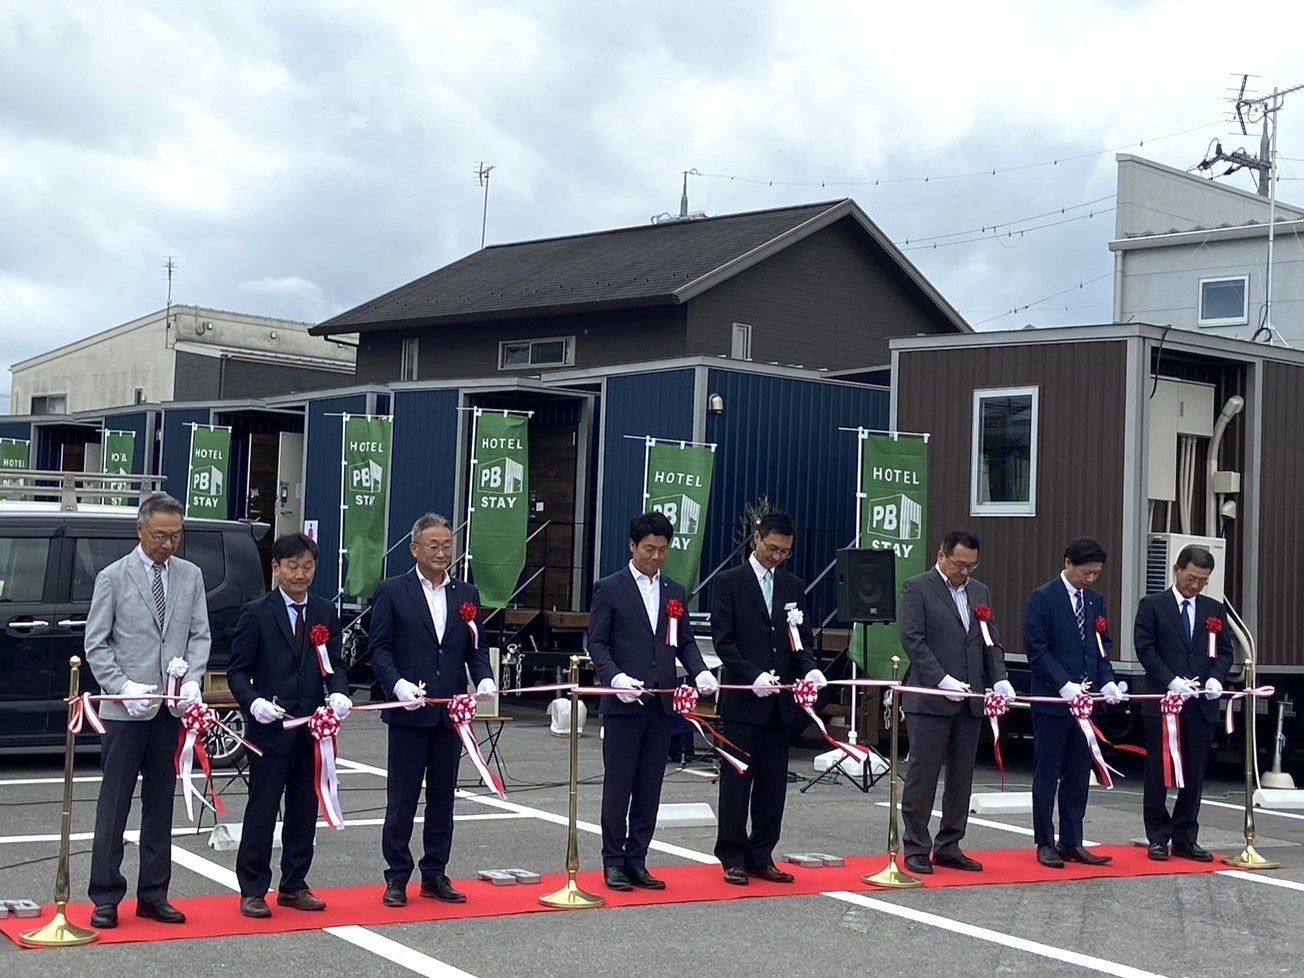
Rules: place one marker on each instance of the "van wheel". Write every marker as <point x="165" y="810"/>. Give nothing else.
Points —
<point x="225" y="751"/>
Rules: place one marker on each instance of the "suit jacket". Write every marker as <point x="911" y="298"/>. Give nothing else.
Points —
<point x="621" y="640"/>
<point x="123" y="640"/>
<point x="1057" y="654"/>
<point x="751" y="639"/>
<point x="403" y="645"/>
<point x="935" y="638"/>
<point x="1160" y="641"/>
<point x="267" y="662"/>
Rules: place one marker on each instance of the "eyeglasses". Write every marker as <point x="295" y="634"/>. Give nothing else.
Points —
<point x="782" y="553"/>
<point x="964" y="566"/>
<point x="439" y="548"/>
<point x="162" y="538"/>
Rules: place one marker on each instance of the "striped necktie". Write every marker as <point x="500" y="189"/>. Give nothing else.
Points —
<point x="1080" y="611"/>
<point x="160" y="600"/>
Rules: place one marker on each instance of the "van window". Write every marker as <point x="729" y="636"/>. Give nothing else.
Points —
<point x="93" y="555"/>
<point x="205" y="549"/>
<point x="22" y="568"/>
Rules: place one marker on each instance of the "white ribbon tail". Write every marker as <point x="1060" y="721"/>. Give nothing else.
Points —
<point x="173" y="685"/>
<point x="185" y="765"/>
<point x="737" y="764"/>
<point x="1094" y="745"/>
<point x="475" y="633"/>
<point x="1213" y="646"/>
<point x="854" y="751"/>
<point x="328" y="783"/>
<point x="794" y="638"/>
<point x="672" y="633"/>
<point x="1173" y="747"/>
<point x="324" y="660"/>
<point x="489" y="779"/>
<point x="1100" y="644"/>
<point x="987" y="635"/>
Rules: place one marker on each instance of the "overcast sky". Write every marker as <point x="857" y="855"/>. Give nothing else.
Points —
<point x="297" y="158"/>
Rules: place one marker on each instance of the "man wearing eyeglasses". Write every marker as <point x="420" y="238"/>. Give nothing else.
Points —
<point x="751" y="609"/>
<point x="147" y="612"/>
<point x="940" y="631"/>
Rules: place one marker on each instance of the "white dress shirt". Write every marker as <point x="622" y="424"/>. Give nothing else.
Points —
<point x="960" y="595"/>
<point x="291" y="611"/>
<point x="149" y="569"/>
<point x="650" y="589"/>
<point x="436" y="600"/>
<point x="760" y="570"/>
<point x="1180" y="599"/>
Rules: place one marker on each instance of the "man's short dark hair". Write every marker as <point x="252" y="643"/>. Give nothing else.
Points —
<point x="1197" y="555"/>
<point x="960" y="538"/>
<point x="291" y="545"/>
<point x="650" y="525"/>
<point x="777" y="523"/>
<point x="1084" y="550"/>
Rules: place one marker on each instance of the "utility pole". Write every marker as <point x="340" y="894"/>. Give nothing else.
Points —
<point x="482" y="171"/>
<point x="169" y="269"/>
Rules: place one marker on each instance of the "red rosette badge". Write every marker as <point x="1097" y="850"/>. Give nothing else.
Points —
<point x="1214" y="626"/>
<point x="468" y="612"/>
<point x="1102" y="629"/>
<point x="984" y="615"/>
<point x="318" y="636"/>
<point x="674" y="612"/>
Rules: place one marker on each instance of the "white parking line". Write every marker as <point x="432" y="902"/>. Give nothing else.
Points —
<point x="988" y="823"/>
<point x="1258" y="878"/>
<point x="400" y="954"/>
<point x="1257" y="811"/>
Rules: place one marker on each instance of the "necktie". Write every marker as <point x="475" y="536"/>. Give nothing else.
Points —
<point x="160" y="600"/>
<point x="1188" y="626"/>
<point x="298" y="624"/>
<point x="1082" y="615"/>
<point x="767" y="590"/>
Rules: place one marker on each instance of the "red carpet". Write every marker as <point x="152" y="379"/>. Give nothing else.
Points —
<point x="219" y="916"/>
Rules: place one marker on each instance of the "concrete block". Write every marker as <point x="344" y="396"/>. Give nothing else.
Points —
<point x="685" y="816"/>
<point x="1279" y="798"/>
<point x="497" y="877"/>
<point x="806" y="860"/>
<point x="524" y="875"/>
<point x="23" y="909"/>
<point x="1001" y="802"/>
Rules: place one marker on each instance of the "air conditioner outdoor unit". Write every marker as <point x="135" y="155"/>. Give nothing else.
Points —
<point x="1161" y="553"/>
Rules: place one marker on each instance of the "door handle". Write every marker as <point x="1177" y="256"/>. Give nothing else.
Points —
<point x="27" y="626"/>
<point x="73" y="623"/>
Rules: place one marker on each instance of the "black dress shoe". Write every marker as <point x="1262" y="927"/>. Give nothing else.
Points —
<point x="104" y="917"/>
<point x="639" y="876"/>
<point x="162" y="911"/>
<point x="919" y="863"/>
<point x="1078" y="854"/>
<point x="1193" y="851"/>
<point x="957" y="860"/>
<point x="1158" y="852"/>
<point x="615" y="878"/>
<point x="735" y="875"/>
<point x="440" y="888"/>
<point x="395" y="895"/>
<point x="772" y="874"/>
<point x="1049" y="857"/>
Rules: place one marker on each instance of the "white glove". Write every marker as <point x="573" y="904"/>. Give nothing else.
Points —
<point x="765" y="684"/>
<point x="818" y="678"/>
<point x="266" y="712"/>
<point x="1004" y="688"/>
<point x="706" y="684"/>
<point x="1186" y="687"/>
<point x="136" y="708"/>
<point x="623" y="681"/>
<point x="486" y="689"/>
<point x="955" y="686"/>
<point x="1212" y="688"/>
<point x="410" y="693"/>
<point x="1112" y="693"/>
<point x="340" y="703"/>
<point x="190" y="695"/>
<point x="1070" y="690"/>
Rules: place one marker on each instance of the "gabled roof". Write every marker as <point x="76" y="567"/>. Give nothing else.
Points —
<point x="649" y="265"/>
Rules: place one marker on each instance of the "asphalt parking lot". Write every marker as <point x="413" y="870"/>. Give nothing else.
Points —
<point x="1202" y="925"/>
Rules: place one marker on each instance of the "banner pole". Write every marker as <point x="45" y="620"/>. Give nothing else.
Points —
<point x="861" y="435"/>
<point x="648" y="442"/>
<point x="339" y="556"/>
<point x="190" y="464"/>
<point x="470" y="492"/>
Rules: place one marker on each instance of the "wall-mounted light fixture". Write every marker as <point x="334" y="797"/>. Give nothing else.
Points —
<point x="715" y="404"/>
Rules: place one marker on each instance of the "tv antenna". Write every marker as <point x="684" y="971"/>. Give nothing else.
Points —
<point x="169" y="270"/>
<point x="482" y="171"/>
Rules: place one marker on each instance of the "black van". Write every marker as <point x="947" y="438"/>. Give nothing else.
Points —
<point x="48" y="563"/>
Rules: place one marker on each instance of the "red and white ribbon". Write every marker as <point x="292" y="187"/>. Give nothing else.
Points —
<point x="1102" y="626"/>
<point x="324" y="726"/>
<point x="996" y="706"/>
<point x="685" y="700"/>
<point x="461" y="710"/>
<point x="674" y="612"/>
<point x="1171" y="708"/>
<point x="805" y="693"/>
<point x="1257" y="692"/>
<point x="1081" y="706"/>
<point x="319" y="636"/>
<point x="984" y="615"/>
<point x="795" y="618"/>
<point x="468" y="612"/>
<point x="1214" y="626"/>
<point x="177" y="669"/>
<point x="83" y="714"/>
<point x="196" y="722"/>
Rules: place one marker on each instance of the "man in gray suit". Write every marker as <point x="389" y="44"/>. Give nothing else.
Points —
<point x="940" y="631"/>
<point x="148" y="608"/>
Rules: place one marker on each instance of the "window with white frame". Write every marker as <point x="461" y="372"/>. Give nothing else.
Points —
<point x="408" y="368"/>
<point x="1225" y="301"/>
<point x="740" y="346"/>
<point x="555" y="351"/>
<point x="1004" y="474"/>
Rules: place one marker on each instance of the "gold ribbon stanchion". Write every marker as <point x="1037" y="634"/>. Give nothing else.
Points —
<point x="570" y="896"/>
<point x="1249" y="857"/>
<point x="891" y="875"/>
<point x="58" y="932"/>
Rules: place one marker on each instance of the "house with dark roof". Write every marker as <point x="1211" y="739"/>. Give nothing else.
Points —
<point x="818" y="286"/>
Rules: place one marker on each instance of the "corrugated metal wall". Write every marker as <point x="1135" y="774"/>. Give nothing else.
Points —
<point x="425" y="464"/>
<point x="138" y="423"/>
<point x="22" y="430"/>
<point x="321" y="481"/>
<point x="1281" y="518"/>
<point x="176" y="449"/>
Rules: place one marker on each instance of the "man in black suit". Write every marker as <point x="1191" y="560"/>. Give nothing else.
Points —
<point x="629" y="643"/>
<point x="941" y="633"/>
<point x="750" y="611"/>
<point x="422" y="645"/>
<point x="1172" y="640"/>
<point x="1059" y="634"/>
<point x="275" y="673"/>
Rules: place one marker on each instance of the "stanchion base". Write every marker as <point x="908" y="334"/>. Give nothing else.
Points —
<point x="571" y="897"/>
<point x="59" y="933"/>
<point x="1250" y="859"/>
<point x="893" y="877"/>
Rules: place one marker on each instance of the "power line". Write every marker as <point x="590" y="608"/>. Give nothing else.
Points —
<point x="1037" y="302"/>
<point x="1009" y="234"/>
<point x="992" y="227"/>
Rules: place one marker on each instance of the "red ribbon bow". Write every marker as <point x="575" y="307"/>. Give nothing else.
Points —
<point x="318" y="636"/>
<point x="995" y="706"/>
<point x="685" y="701"/>
<point x="461" y="710"/>
<point x="468" y="612"/>
<point x="983" y="613"/>
<point x="1214" y="626"/>
<point x="197" y="721"/>
<point x="674" y="611"/>
<point x="1102" y="628"/>
<point x="1171" y="708"/>
<point x="324" y="725"/>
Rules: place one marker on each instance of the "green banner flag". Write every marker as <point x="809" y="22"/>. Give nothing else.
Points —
<point x="119" y="456"/>
<point x="893" y="506"/>
<point x="14" y="453"/>
<point x="367" y="445"/>
<point x="500" y="503"/>
<point x="210" y="458"/>
<point x="679" y="485"/>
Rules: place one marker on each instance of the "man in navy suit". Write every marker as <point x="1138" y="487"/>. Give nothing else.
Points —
<point x="629" y="643"/>
<point x="750" y="611"/>
<point x="1172" y="643"/>
<point x="1059" y="635"/>
<point x="422" y="646"/>
<point x="275" y="672"/>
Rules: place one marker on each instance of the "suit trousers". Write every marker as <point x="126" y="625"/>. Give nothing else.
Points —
<point x="761" y="792"/>
<point x="937" y="742"/>
<point x="129" y="748"/>
<point x="1182" y="827"/>
<point x="272" y="776"/>
<point x="635" y="748"/>
<point x="1061" y="764"/>
<point x="417" y="756"/>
